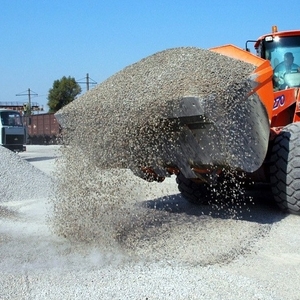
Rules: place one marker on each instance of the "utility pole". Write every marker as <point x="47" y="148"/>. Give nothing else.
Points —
<point x="29" y="94"/>
<point x="88" y="81"/>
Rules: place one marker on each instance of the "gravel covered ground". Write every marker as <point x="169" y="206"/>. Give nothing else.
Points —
<point x="174" y="250"/>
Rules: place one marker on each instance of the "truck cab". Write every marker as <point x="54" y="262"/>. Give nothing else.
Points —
<point x="12" y="130"/>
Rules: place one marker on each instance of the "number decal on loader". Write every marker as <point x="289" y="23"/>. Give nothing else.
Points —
<point x="279" y="101"/>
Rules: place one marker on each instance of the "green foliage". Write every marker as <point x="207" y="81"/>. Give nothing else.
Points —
<point x="62" y="93"/>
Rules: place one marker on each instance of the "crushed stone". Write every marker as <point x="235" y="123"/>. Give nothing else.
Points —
<point x="119" y="124"/>
<point x="19" y="179"/>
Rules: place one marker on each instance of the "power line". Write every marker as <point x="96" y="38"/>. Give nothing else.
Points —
<point x="88" y="81"/>
<point x="29" y="93"/>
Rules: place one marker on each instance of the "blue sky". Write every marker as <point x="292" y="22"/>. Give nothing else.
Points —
<point x="42" y="41"/>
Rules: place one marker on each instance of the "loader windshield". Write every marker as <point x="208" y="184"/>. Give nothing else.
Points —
<point x="9" y="118"/>
<point x="284" y="55"/>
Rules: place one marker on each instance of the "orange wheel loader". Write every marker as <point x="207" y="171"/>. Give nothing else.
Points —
<point x="265" y="140"/>
<point x="249" y="127"/>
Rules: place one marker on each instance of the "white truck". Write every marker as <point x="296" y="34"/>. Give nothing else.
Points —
<point x="12" y="130"/>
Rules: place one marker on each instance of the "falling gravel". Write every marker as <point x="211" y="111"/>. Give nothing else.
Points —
<point x="119" y="123"/>
<point x="114" y="129"/>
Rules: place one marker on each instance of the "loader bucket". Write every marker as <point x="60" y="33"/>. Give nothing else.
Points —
<point x="224" y="131"/>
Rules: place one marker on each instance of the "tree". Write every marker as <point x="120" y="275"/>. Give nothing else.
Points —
<point x="62" y="93"/>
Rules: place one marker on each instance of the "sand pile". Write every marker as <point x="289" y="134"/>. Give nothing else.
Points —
<point x="117" y="125"/>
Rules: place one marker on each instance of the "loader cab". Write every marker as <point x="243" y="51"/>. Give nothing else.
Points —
<point x="282" y="49"/>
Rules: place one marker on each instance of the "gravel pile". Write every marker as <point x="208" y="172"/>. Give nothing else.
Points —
<point x="19" y="180"/>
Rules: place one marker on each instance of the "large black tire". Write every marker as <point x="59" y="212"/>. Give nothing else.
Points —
<point x="196" y="193"/>
<point x="285" y="169"/>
